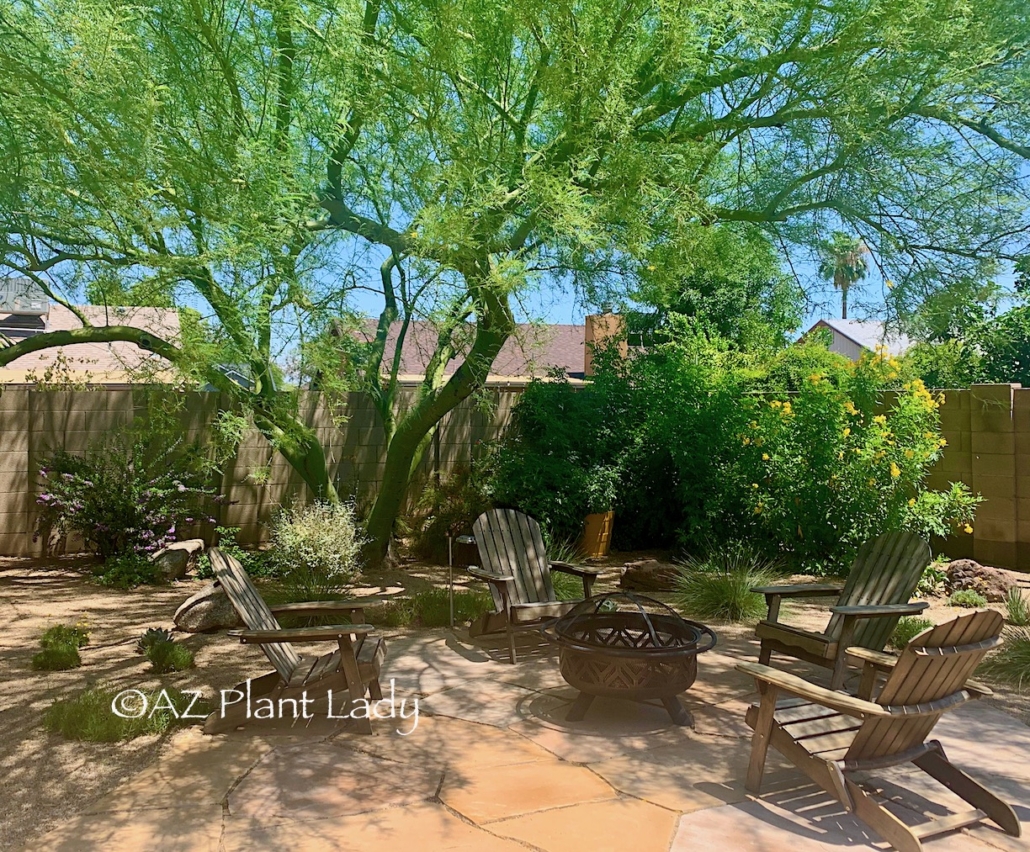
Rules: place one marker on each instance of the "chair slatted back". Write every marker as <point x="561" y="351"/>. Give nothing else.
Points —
<point x="251" y="607"/>
<point x="886" y="570"/>
<point x="511" y="544"/>
<point x="936" y="664"/>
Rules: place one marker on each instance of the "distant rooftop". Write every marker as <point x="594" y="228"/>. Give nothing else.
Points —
<point x="866" y="334"/>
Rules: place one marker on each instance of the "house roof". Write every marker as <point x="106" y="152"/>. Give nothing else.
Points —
<point x="531" y="351"/>
<point x="868" y="334"/>
<point x="98" y="362"/>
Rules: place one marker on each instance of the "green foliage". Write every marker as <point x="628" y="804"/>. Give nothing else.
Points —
<point x="718" y="584"/>
<point x="167" y="656"/>
<point x="1005" y="344"/>
<point x="128" y="570"/>
<point x="57" y="658"/>
<point x="76" y="636"/>
<point x="129" y="492"/>
<point x="431" y="608"/>
<point x="967" y="598"/>
<point x="255" y="563"/>
<point x="948" y="364"/>
<point x="447" y="508"/>
<point x="152" y="636"/>
<point x="844" y="263"/>
<point x="89" y="716"/>
<point x="1011" y="663"/>
<point x="908" y="628"/>
<point x="1016" y="608"/>
<point x="316" y="550"/>
<point x="934" y="578"/>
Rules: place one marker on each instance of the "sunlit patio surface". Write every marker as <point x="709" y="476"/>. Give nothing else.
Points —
<point x="492" y="765"/>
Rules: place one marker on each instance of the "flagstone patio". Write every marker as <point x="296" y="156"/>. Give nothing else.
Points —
<point x="492" y="765"/>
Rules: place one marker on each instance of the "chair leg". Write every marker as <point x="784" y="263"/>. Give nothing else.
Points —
<point x="882" y="821"/>
<point x="936" y="764"/>
<point x="760" y="741"/>
<point x="375" y="691"/>
<point x="511" y="642"/>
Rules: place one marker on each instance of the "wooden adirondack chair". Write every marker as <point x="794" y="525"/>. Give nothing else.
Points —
<point x="353" y="669"/>
<point x="516" y="566"/>
<point x="829" y="735"/>
<point x="876" y="595"/>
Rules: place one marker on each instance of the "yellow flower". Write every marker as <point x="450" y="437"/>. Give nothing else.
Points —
<point x="758" y="509"/>
<point x="847" y="431"/>
<point x="895" y="471"/>
<point x="968" y="529"/>
<point x="871" y="482"/>
<point x="911" y="501"/>
<point x="909" y="454"/>
<point x="765" y="457"/>
<point x="942" y="443"/>
<point x="880" y="418"/>
<point x="754" y="484"/>
<point x="815" y="378"/>
<point x="775" y="404"/>
<point x="889" y="283"/>
<point x="840" y="455"/>
<point x="747" y="441"/>
<point x="849" y="407"/>
<point x="651" y="268"/>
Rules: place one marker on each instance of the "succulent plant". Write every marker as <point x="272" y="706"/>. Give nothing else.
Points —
<point x="151" y="637"/>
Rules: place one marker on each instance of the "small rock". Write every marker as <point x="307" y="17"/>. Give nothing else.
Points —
<point x="648" y="575"/>
<point x="176" y="559"/>
<point x="206" y="611"/>
<point x="989" y="582"/>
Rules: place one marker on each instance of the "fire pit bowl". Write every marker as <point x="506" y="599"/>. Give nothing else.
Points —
<point x="622" y="645"/>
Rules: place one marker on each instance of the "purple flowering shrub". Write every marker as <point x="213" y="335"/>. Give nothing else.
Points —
<point x="127" y="494"/>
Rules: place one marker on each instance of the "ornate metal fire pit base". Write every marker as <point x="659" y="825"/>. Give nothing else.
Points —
<point x="622" y="645"/>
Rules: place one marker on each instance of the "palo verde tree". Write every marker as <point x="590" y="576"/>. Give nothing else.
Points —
<point x="261" y="160"/>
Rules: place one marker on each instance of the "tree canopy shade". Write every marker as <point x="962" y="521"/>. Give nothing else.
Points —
<point x="261" y="161"/>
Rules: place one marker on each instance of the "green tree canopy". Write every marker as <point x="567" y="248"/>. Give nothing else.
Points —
<point x="262" y="162"/>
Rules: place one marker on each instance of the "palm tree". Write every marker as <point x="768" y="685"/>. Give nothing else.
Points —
<point x="844" y="263"/>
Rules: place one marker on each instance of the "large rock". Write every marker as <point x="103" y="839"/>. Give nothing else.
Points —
<point x="648" y="575"/>
<point x="206" y="611"/>
<point x="176" y="560"/>
<point x="989" y="582"/>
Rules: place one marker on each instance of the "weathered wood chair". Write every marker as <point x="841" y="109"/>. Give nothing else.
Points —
<point x="516" y="566"/>
<point x="876" y="595"/>
<point x="351" y="670"/>
<point x="829" y="735"/>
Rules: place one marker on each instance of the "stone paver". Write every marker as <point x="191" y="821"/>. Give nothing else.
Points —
<point x="494" y="766"/>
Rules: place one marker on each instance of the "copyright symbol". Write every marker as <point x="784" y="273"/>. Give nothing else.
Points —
<point x="129" y="704"/>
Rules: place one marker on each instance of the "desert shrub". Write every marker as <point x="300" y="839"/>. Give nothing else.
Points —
<point x="255" y="563"/>
<point x="933" y="580"/>
<point x="908" y="628"/>
<point x="1016" y="608"/>
<point x="449" y="507"/>
<point x="718" y="584"/>
<point x="128" y="570"/>
<point x="167" y="656"/>
<point x="57" y="658"/>
<point x="1011" y="663"/>
<point x="89" y="716"/>
<point x="967" y="598"/>
<point x="127" y="494"/>
<point x="75" y="635"/>
<point x="150" y="637"/>
<point x="316" y="550"/>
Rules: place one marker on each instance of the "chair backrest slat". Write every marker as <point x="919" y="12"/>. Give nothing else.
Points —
<point x="251" y="607"/>
<point x="935" y="665"/>
<point x="886" y="570"/>
<point x="511" y="543"/>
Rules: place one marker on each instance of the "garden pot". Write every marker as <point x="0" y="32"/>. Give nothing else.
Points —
<point x="597" y="534"/>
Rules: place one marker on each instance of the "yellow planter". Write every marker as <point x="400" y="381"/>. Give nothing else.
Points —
<point x="597" y="534"/>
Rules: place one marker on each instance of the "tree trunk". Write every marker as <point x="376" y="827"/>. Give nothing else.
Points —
<point x="843" y="302"/>
<point x="301" y="448"/>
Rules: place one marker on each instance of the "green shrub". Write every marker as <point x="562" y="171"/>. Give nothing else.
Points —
<point x="128" y="570"/>
<point x="718" y="585"/>
<point x="1011" y="664"/>
<point x="967" y="598"/>
<point x="908" y="628"/>
<point x="166" y="656"/>
<point x="89" y="716"/>
<point x="447" y="508"/>
<point x="57" y="658"/>
<point x="316" y="550"/>
<point x="1016" y="608"/>
<point x="150" y="637"/>
<point x="255" y="563"/>
<point x="76" y="636"/>
<point x="933" y="580"/>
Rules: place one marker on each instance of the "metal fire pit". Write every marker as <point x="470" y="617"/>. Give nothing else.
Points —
<point x="622" y="645"/>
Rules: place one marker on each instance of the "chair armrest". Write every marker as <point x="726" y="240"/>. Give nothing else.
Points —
<point x="577" y="570"/>
<point x="880" y="610"/>
<point x="316" y="606"/>
<point x="498" y="579"/>
<point x="801" y="590"/>
<point x="820" y="695"/>
<point x="301" y="634"/>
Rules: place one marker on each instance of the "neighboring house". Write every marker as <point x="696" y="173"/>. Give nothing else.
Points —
<point x="853" y="337"/>
<point x="532" y="351"/>
<point x="98" y="363"/>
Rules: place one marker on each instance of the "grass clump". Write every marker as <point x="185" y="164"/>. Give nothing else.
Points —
<point x="431" y="608"/>
<point x="1016" y="608"/>
<point x="57" y="658"/>
<point x="165" y="656"/>
<point x="967" y="598"/>
<point x="90" y="716"/>
<point x="1012" y="662"/>
<point x="718" y="585"/>
<point x="76" y="635"/>
<point x="907" y="630"/>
